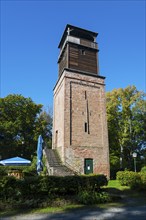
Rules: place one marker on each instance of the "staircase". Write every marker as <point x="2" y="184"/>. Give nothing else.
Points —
<point x="54" y="164"/>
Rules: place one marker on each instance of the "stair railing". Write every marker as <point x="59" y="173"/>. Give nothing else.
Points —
<point x="73" y="169"/>
<point x="49" y="168"/>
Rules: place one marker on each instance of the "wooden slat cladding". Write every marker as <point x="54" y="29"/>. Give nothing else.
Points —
<point x="84" y="60"/>
<point x="76" y="57"/>
<point x="73" y="56"/>
<point x="89" y="44"/>
<point x="88" y="61"/>
<point x="63" y="61"/>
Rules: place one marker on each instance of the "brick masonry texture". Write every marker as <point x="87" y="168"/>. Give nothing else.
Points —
<point x="79" y="102"/>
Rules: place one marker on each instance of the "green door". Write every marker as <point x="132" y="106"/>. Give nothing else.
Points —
<point x="88" y="166"/>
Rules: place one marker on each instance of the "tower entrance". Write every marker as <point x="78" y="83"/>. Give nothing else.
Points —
<point x="88" y="168"/>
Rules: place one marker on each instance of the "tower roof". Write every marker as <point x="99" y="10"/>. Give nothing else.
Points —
<point x="77" y="32"/>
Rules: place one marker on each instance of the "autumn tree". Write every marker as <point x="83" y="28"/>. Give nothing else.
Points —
<point x="126" y="114"/>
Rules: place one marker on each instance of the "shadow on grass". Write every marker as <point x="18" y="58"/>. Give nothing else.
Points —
<point x="126" y="197"/>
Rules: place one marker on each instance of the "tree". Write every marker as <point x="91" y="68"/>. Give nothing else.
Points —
<point x="20" y="126"/>
<point x="126" y="124"/>
<point x="45" y="119"/>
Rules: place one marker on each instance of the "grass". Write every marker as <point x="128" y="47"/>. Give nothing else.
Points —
<point x="123" y="195"/>
<point x="56" y="209"/>
<point x="116" y="184"/>
<point x="64" y="208"/>
<point x="114" y="188"/>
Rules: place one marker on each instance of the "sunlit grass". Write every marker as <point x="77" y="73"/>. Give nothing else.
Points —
<point x="57" y="209"/>
<point x="63" y="208"/>
<point x="116" y="184"/>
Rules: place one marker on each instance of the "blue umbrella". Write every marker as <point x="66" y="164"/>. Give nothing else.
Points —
<point x="40" y="154"/>
<point x="15" y="161"/>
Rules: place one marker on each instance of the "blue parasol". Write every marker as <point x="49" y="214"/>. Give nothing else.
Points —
<point x="40" y="154"/>
<point x="15" y="161"/>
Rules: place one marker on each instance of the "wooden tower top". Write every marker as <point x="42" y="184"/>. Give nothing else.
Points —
<point x="78" y="51"/>
<point x="77" y="32"/>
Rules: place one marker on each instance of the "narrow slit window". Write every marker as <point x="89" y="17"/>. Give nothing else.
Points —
<point x="85" y="126"/>
<point x="83" y="52"/>
<point x="85" y="95"/>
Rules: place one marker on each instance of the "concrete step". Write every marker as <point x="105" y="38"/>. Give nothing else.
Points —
<point x="54" y="164"/>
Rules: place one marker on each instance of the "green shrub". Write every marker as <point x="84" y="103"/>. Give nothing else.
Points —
<point x="85" y="197"/>
<point x="143" y="169"/>
<point x="3" y="171"/>
<point x="92" y="182"/>
<point x="7" y="187"/>
<point x="40" y="188"/>
<point x="143" y="180"/>
<point x="123" y="177"/>
<point x="134" y="180"/>
<point x="92" y="197"/>
<point x="129" y="178"/>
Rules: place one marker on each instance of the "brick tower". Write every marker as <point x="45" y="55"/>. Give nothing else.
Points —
<point x="79" y="126"/>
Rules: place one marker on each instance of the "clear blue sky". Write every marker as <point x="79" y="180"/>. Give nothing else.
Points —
<point x="31" y="31"/>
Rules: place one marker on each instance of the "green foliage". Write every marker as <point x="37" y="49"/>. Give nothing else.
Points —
<point x="116" y="185"/>
<point x="143" y="180"/>
<point x="21" y="122"/>
<point x="3" y="171"/>
<point x="126" y="117"/>
<point x="133" y="180"/>
<point x="45" y="120"/>
<point x="7" y="189"/>
<point x="143" y="169"/>
<point x="71" y="184"/>
<point x="40" y="188"/>
<point x="114" y="165"/>
<point x="30" y="170"/>
<point x="129" y="178"/>
<point x="92" y="197"/>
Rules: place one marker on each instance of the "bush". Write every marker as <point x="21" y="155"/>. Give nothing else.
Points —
<point x="92" y="197"/>
<point x="44" y="186"/>
<point x="91" y="182"/>
<point x="143" y="180"/>
<point x="143" y="169"/>
<point x="129" y="178"/>
<point x="7" y="187"/>
<point x="3" y="171"/>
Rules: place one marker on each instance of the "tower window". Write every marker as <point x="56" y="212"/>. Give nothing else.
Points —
<point x="83" y="52"/>
<point x="85" y="95"/>
<point x="85" y="126"/>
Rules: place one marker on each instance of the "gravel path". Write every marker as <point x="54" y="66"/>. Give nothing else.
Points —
<point x="124" y="213"/>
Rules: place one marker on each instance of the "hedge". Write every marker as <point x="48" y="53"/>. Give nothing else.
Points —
<point x="132" y="179"/>
<point x="40" y="186"/>
<point x="143" y="180"/>
<point x="143" y="169"/>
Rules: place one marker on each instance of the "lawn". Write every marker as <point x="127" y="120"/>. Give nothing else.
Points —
<point x="123" y="195"/>
<point x="116" y="184"/>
